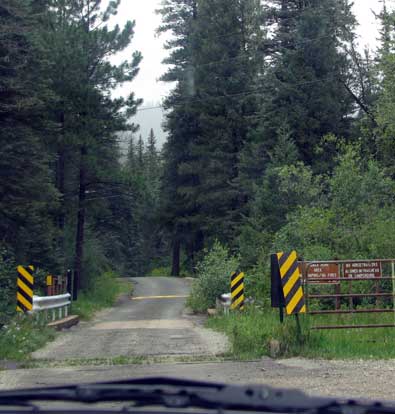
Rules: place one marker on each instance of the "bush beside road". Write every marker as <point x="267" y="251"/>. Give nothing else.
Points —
<point x="22" y="334"/>
<point x="257" y="332"/>
<point x="103" y="294"/>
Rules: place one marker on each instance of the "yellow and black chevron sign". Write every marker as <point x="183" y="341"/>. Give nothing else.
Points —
<point x="25" y="283"/>
<point x="291" y="283"/>
<point x="237" y="290"/>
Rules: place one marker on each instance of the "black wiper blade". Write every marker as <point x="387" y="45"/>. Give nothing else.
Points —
<point x="177" y="393"/>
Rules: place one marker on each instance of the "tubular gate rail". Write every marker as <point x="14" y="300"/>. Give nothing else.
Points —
<point x="330" y="289"/>
<point x="57" y="307"/>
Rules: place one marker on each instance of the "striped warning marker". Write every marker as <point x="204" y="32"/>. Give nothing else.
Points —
<point x="25" y="283"/>
<point x="291" y="283"/>
<point x="237" y="290"/>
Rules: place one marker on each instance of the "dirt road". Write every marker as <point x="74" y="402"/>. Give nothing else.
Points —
<point x="358" y="379"/>
<point x="152" y="322"/>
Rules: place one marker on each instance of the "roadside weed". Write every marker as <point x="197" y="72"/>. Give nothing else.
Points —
<point x="252" y="331"/>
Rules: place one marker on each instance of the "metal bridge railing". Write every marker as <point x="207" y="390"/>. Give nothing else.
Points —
<point x="53" y="307"/>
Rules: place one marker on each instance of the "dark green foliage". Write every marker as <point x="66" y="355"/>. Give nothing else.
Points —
<point x="28" y="199"/>
<point x="213" y="277"/>
<point x="386" y="100"/>
<point x="208" y="123"/>
<point x="143" y="245"/>
<point x="304" y="86"/>
<point x="63" y="196"/>
<point x="7" y="285"/>
<point x="280" y="132"/>
<point x="88" y="169"/>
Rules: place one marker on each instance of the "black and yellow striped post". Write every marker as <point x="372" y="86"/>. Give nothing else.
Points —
<point x="237" y="290"/>
<point x="291" y="283"/>
<point x="25" y="283"/>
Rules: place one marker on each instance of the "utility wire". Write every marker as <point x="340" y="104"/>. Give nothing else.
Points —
<point x="261" y="53"/>
<point x="242" y="56"/>
<point x="244" y="93"/>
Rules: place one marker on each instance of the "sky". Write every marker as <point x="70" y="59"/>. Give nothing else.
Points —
<point x="147" y="85"/>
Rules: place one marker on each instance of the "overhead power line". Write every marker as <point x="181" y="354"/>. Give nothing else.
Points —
<point x="244" y="93"/>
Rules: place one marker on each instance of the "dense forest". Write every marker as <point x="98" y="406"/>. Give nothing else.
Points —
<point x="280" y="135"/>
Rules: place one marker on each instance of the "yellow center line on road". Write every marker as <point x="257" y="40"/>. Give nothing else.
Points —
<point x="159" y="297"/>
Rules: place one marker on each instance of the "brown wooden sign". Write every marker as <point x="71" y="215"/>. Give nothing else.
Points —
<point x="362" y="269"/>
<point x="323" y="271"/>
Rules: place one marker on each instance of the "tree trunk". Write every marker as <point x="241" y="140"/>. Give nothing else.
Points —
<point x="60" y="185"/>
<point x="175" y="268"/>
<point x="79" y="245"/>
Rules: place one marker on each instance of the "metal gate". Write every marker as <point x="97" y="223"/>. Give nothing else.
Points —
<point x="350" y="287"/>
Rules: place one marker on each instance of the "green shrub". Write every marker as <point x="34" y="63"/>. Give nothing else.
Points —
<point x="102" y="294"/>
<point x="159" y="271"/>
<point x="7" y="285"/>
<point x="250" y="332"/>
<point x="257" y="282"/>
<point x="21" y="336"/>
<point x="213" y="277"/>
<point x="94" y="263"/>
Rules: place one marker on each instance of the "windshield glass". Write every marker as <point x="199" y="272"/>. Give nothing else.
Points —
<point x="198" y="189"/>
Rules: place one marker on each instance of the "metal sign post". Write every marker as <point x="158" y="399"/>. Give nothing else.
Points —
<point x="277" y="295"/>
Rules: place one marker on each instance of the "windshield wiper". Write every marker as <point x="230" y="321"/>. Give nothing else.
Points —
<point x="177" y="393"/>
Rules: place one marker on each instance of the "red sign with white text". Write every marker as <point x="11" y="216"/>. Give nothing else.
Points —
<point x="362" y="269"/>
<point x="322" y="271"/>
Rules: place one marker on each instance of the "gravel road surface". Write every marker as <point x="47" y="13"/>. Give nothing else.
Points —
<point x="358" y="379"/>
<point x="153" y="322"/>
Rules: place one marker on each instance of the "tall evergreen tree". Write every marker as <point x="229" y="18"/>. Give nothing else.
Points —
<point x="182" y="124"/>
<point x="140" y="153"/>
<point x="151" y="145"/>
<point x="79" y="43"/>
<point x="213" y="57"/>
<point x="28" y="199"/>
<point x="386" y="102"/>
<point x="131" y="155"/>
<point x="305" y="87"/>
<point x="225" y="101"/>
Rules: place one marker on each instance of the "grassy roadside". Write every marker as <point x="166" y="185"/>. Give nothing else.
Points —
<point x="251" y="332"/>
<point x="21" y="336"/>
<point x="104" y="294"/>
<point x="24" y="335"/>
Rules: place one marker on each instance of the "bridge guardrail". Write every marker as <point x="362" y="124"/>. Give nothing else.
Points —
<point x="57" y="307"/>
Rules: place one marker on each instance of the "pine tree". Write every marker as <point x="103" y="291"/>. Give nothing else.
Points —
<point x="182" y="125"/>
<point x="386" y="102"/>
<point x="140" y="153"/>
<point x="305" y="87"/>
<point x="79" y="43"/>
<point x="225" y="103"/>
<point x="131" y="155"/>
<point x="28" y="198"/>
<point x="151" y="147"/>
<point x="213" y="63"/>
